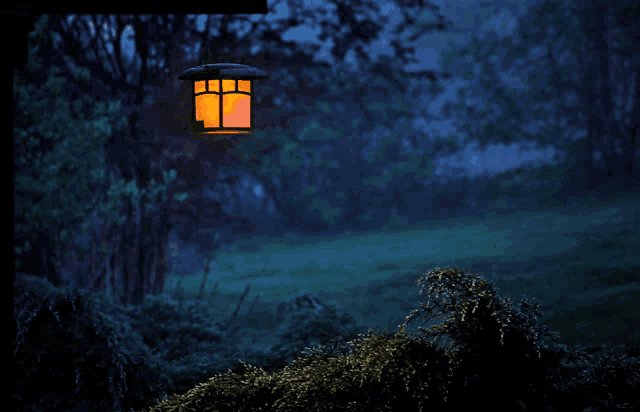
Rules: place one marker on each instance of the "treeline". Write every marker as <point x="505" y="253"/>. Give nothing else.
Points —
<point x="334" y="148"/>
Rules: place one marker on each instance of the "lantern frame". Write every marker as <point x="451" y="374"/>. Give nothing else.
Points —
<point x="219" y="72"/>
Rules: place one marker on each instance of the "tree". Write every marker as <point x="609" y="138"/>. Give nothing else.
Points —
<point x="292" y="172"/>
<point x="558" y="61"/>
<point x="59" y="161"/>
<point x="129" y="159"/>
<point x="62" y="177"/>
<point x="164" y="45"/>
<point x="623" y="43"/>
<point x="334" y="168"/>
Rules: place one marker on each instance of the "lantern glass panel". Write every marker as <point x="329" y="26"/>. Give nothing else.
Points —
<point x="228" y="86"/>
<point x="214" y="85"/>
<point x="199" y="87"/>
<point x="236" y="110"/>
<point x="208" y="109"/>
<point x="244" y="86"/>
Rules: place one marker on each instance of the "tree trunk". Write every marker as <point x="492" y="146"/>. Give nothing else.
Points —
<point x="136" y="291"/>
<point x="163" y="268"/>
<point x="161" y="244"/>
<point x="614" y="131"/>
<point x="631" y="150"/>
<point x="149" y="268"/>
<point x="586" y="174"/>
<point x="40" y="260"/>
<point x="117" y="268"/>
<point x="134" y="252"/>
<point x="125" y="250"/>
<point x="47" y="262"/>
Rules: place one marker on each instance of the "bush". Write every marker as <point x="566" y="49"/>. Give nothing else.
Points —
<point x="69" y="355"/>
<point x="100" y="356"/>
<point x="305" y="321"/>
<point x="487" y="352"/>
<point x="119" y="358"/>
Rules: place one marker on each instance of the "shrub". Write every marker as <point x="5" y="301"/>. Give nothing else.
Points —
<point x="80" y="352"/>
<point x="305" y="321"/>
<point x="69" y="355"/>
<point x="487" y="352"/>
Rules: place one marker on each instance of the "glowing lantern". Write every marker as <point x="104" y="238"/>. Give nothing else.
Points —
<point x="222" y="97"/>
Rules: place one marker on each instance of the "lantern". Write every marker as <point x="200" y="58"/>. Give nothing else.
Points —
<point x="222" y="97"/>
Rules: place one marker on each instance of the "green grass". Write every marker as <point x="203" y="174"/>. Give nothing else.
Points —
<point x="581" y="262"/>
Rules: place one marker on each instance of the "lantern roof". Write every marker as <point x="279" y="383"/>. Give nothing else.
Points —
<point x="223" y="70"/>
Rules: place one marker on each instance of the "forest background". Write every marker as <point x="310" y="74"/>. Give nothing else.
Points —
<point x="112" y="171"/>
<point x="111" y="188"/>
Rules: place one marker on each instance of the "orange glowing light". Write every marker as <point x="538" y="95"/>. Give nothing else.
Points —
<point x="222" y="97"/>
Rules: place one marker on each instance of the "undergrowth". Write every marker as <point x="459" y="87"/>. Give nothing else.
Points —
<point x="95" y="354"/>
<point x="77" y="351"/>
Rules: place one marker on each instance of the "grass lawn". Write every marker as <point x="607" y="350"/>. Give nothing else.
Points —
<point x="581" y="262"/>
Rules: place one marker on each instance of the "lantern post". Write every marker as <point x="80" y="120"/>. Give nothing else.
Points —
<point x="222" y="97"/>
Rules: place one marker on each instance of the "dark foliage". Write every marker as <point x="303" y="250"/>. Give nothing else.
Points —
<point x="103" y="356"/>
<point x="70" y="355"/>
<point x="488" y="352"/>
